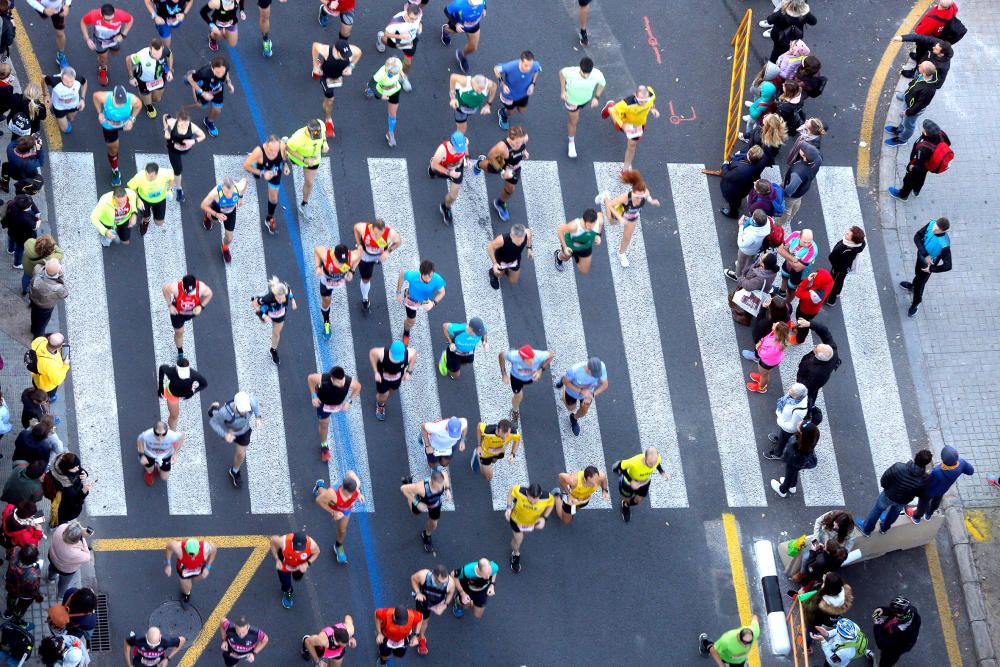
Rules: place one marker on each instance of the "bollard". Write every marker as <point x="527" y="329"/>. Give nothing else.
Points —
<point x="777" y="629"/>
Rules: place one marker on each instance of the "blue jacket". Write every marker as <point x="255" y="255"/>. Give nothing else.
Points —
<point x="942" y="479"/>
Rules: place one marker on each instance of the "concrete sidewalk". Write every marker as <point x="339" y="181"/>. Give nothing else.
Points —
<point x="952" y="342"/>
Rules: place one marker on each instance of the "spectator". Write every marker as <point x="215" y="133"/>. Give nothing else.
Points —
<point x="791" y="409"/>
<point x="933" y="24"/>
<point x="901" y="483"/>
<point x="68" y="484"/>
<point x="828" y="603"/>
<point x="37" y="251"/>
<point x="819" y="559"/>
<point x="7" y="31"/>
<point x="23" y="582"/>
<point x="770" y="352"/>
<point x="60" y="650"/>
<point x="758" y="276"/>
<point x="836" y="525"/>
<point x="802" y="169"/>
<point x="943" y="475"/>
<point x="799" y="252"/>
<point x="787" y="25"/>
<point x="844" y="643"/>
<point x="36" y="443"/>
<point x="766" y="196"/>
<point x="790" y="61"/>
<point x="51" y="367"/>
<point x="920" y="155"/>
<point x="817" y="366"/>
<point x="895" y="629"/>
<point x="27" y="111"/>
<point x="933" y="256"/>
<point x="82" y="606"/>
<point x="738" y="177"/>
<point x="753" y="230"/>
<point x="761" y="106"/>
<point x="24" y="483"/>
<point x="34" y="405"/>
<point x="6" y="87"/>
<point x="68" y="552"/>
<point x="810" y="76"/>
<point x="812" y="293"/>
<point x="47" y="289"/>
<point x="915" y="98"/>
<point x="769" y="134"/>
<point x="790" y="105"/>
<point x="774" y="309"/>
<point x="810" y="132"/>
<point x="938" y="51"/>
<point x="842" y="260"/>
<point x="5" y="425"/>
<point x="19" y="527"/>
<point x="800" y="456"/>
<point x="25" y="159"/>
<point x="21" y="223"/>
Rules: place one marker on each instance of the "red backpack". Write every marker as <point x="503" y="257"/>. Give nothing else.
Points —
<point x="940" y="159"/>
<point x="776" y="237"/>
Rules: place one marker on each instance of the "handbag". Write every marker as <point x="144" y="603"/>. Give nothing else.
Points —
<point x="749" y="302"/>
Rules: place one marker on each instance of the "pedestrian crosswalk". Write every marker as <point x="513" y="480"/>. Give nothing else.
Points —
<point x="653" y="386"/>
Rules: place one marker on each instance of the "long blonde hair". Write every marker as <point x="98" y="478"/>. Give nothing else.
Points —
<point x="773" y="130"/>
<point x="33" y="93"/>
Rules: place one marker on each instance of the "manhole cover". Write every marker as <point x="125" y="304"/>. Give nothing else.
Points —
<point x="173" y="619"/>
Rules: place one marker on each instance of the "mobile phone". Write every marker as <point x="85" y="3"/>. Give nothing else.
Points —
<point x="89" y="531"/>
<point x="66" y="351"/>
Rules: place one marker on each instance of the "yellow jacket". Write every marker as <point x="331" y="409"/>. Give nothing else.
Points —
<point x="52" y="369"/>
<point x="633" y="114"/>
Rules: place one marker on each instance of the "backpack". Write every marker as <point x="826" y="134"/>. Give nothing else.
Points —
<point x="953" y="31"/>
<point x="31" y="361"/>
<point x="16" y="641"/>
<point x="940" y="159"/>
<point x="778" y="208"/>
<point x="776" y="237"/>
<point x="817" y="90"/>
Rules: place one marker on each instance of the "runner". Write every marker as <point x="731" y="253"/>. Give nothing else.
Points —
<point x="115" y="214"/>
<point x="328" y="646"/>
<point x="448" y="162"/>
<point x="385" y="83"/>
<point x="476" y="582"/>
<point x="104" y="30"/>
<point x="433" y="591"/>
<point x="635" y="473"/>
<point x="526" y="365"/>
<point x="150" y="70"/>
<point x="69" y="92"/>
<point x="625" y="208"/>
<point x="293" y="554"/>
<point x="152" y="649"/>
<point x="167" y="16"/>
<point x="157" y="446"/>
<point x="271" y="307"/>
<point x="339" y="504"/>
<point x="194" y="560"/>
<point x="577" y="239"/>
<point x="468" y="96"/>
<point x="343" y="9"/>
<point x="517" y="80"/>
<point x="207" y="86"/>
<point x="505" y="254"/>
<point x="185" y="300"/>
<point x="223" y="19"/>
<point x="395" y="631"/>
<point x="439" y="439"/>
<point x="181" y="136"/>
<point x="235" y="422"/>
<point x="333" y="391"/>
<point x="426" y="496"/>
<point x="418" y="290"/>
<point x="220" y="205"/>
<point x="305" y="148"/>
<point x="463" y="339"/>
<point x="391" y="365"/>
<point x="116" y="112"/>
<point x="267" y="161"/>
<point x="527" y="509"/>
<point x="376" y="241"/>
<point x="403" y="33"/>
<point x="584" y="12"/>
<point x="581" y="86"/>
<point x="505" y="159"/>
<point x="241" y="641"/>
<point x="57" y="10"/>
<point x="330" y="65"/>
<point x="265" y="26"/>
<point x="575" y="490"/>
<point x="153" y="187"/>
<point x="463" y="16"/>
<point x="581" y="384"/>
<point x="178" y="383"/>
<point x="334" y="269"/>
<point x="492" y="440"/>
<point x="629" y="117"/>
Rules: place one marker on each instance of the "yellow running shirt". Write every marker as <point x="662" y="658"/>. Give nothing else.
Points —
<point x="580" y="491"/>
<point x="152" y="191"/>
<point x="493" y="445"/>
<point x="524" y="512"/>
<point x="636" y="470"/>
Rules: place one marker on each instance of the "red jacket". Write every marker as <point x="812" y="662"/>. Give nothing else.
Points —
<point x="822" y="283"/>
<point x="934" y="21"/>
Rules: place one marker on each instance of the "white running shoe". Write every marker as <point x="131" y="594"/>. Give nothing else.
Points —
<point x="407" y="86"/>
<point x="623" y="260"/>
<point x="599" y="199"/>
<point x="572" y="149"/>
<point x="379" y="44"/>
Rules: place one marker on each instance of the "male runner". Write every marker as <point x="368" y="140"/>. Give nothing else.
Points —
<point x="293" y="554"/>
<point x="527" y="509"/>
<point x="517" y="80"/>
<point x="104" y="30"/>
<point x="69" y="94"/>
<point x="194" y="560"/>
<point x="178" y="383"/>
<point x="418" y="290"/>
<point x="223" y="18"/>
<point x="439" y="439"/>
<point x="391" y="365"/>
<point x="167" y="16"/>
<point x="577" y="239"/>
<point x="185" y="300"/>
<point x="305" y="148"/>
<point x="426" y="496"/>
<point x="463" y="339"/>
<point x="581" y="384"/>
<point x="333" y="391"/>
<point x="469" y="95"/>
<point x="629" y="117"/>
<point x="402" y="33"/>
<point x="376" y="240"/>
<point x="153" y="186"/>
<point x="330" y="65"/>
<point x="505" y="254"/>
<point x="448" y="162"/>
<point x="267" y="161"/>
<point x="207" y="85"/>
<point x="157" y="447"/>
<point x="116" y="112"/>
<point x="151" y="648"/>
<point x="329" y="646"/>
<point x="241" y="641"/>
<point x="150" y="69"/>
<point x="334" y="268"/>
<point x="635" y="472"/>
<point x="220" y="205"/>
<point x="235" y="421"/>
<point x="575" y="489"/>
<point x="581" y="86"/>
<point x="265" y="26"/>
<point x="433" y="591"/>
<point x="57" y="10"/>
<point x="584" y="13"/>
<point x="526" y="365"/>
<point x="493" y="440"/>
<point x="505" y="159"/>
<point x="115" y="214"/>
<point x="339" y="503"/>
<point x="464" y="16"/>
<point x="395" y="631"/>
<point x="343" y="9"/>
<point x="476" y="584"/>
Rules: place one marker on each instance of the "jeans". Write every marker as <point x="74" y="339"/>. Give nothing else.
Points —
<point x="40" y="320"/>
<point x="907" y="125"/>
<point x="66" y="581"/>
<point x="883" y="504"/>
<point x="16" y="248"/>
<point x="792" y="205"/>
<point x="25" y="283"/>
<point x="926" y="506"/>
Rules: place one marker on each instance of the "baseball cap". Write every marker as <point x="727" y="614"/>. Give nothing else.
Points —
<point x="477" y="326"/>
<point x="526" y="352"/>
<point x="191" y="547"/>
<point x="396" y="351"/>
<point x="949" y="455"/>
<point x="242" y="401"/>
<point x="454" y="427"/>
<point x="299" y="540"/>
<point x="594" y="366"/>
<point x="458" y="141"/>
<point x="343" y="48"/>
<point x="119" y="95"/>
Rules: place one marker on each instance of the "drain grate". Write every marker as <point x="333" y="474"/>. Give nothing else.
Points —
<point x="101" y="641"/>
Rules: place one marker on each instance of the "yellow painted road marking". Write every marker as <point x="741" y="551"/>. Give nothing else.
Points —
<point x="978" y="525"/>
<point x="34" y="71"/>
<point x="943" y="606"/>
<point x="229" y="598"/>
<point x="739" y="579"/>
<point x="159" y="543"/>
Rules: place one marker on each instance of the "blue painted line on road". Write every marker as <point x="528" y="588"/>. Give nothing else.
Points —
<point x="339" y="422"/>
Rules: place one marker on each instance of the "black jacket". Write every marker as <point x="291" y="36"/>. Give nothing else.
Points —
<point x="943" y="263"/>
<point x="942" y="62"/>
<point x="902" y="482"/>
<point x="20" y="223"/>
<point x="888" y="634"/>
<point x="922" y="150"/>
<point x="738" y="177"/>
<point x="812" y="372"/>
<point x="801" y="173"/>
<point x="919" y="94"/>
<point x="792" y="113"/>
<point x="842" y="256"/>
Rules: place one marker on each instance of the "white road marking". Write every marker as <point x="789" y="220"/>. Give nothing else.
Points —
<point x="724" y="373"/>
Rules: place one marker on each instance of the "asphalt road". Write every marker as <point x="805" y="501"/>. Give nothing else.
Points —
<point x="596" y="592"/>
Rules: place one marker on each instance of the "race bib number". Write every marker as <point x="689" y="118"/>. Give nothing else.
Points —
<point x="155" y="84"/>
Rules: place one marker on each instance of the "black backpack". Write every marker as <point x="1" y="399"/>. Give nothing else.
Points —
<point x="954" y="31"/>
<point x="16" y="641"/>
<point x="31" y="361"/>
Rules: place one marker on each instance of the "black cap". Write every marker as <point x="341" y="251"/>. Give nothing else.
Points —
<point x="299" y="540"/>
<point x="343" y="48"/>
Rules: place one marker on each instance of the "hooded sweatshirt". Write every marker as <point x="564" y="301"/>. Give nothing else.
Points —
<point x="760" y="106"/>
<point x="947" y="472"/>
<point x="802" y="173"/>
<point x="812" y="293"/>
<point x="751" y="237"/>
<point x="789" y="61"/>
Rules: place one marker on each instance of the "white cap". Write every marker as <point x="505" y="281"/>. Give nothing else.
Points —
<point x="242" y="401"/>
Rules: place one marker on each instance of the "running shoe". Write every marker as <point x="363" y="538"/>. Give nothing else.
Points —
<point x="895" y="194"/>
<point x="320" y="484"/>
<point x="502" y="119"/>
<point x="907" y="285"/>
<point x="892" y="129"/>
<point x="445" y="37"/>
<point x="116" y="177"/>
<point x="185" y="600"/>
<point x="515" y="563"/>
<point x="369" y="93"/>
<point x="574" y="424"/>
<point x="912" y="513"/>
<point x="623" y="260"/>
<point x="766" y="34"/>
<point x="515" y="416"/>
<point x="422" y="646"/>
<point x="463" y="62"/>
<point x="206" y="222"/>
<point x="180" y="355"/>
<point x="475" y="165"/>
<point x="703" y="643"/>
<point x="304" y="210"/>
<point x="274" y="356"/>
<point x="147" y="477"/>
<point x="340" y="553"/>
<point x="894" y="141"/>
<point x="501" y="208"/>
<point x="17" y="266"/>
<point x="380" y="411"/>
<point x="179" y="195"/>
<point x="584" y="38"/>
<point x="61" y="60"/>
<point x="407" y="86"/>
<point x="150" y="111"/>
<point x="227" y="257"/>
<point x="287" y="600"/>
<point x="212" y="44"/>
<point x="323" y="19"/>
<point x="428" y="542"/>
<point x="390" y="138"/>
<point x="474" y="463"/>
<point x="143" y="226"/>
<point x="571" y="149"/>
<point x="559" y="383"/>
<point x="69" y="127"/>
<point x="236" y="477"/>
<point x="406" y="339"/>
<point x="606" y="111"/>
<point x="560" y="265"/>
<point x="756" y="387"/>
<point x="271" y="224"/>
<point x="771" y="456"/>
<point x="268" y="48"/>
<point x="446" y="215"/>
<point x="456" y="609"/>
<point x="750" y="355"/>
<point x="212" y="129"/>
<point x="443" y="364"/>
<point x="379" y="44"/>
<point x="755" y="377"/>
<point x="366" y="306"/>
<point x="494" y="279"/>
<point x="330" y="134"/>
<point x="626" y="511"/>
<point x="327" y="330"/>
<point x="729" y="273"/>
<point x="994" y="482"/>
<point x="773" y="437"/>
<point x="324" y="452"/>
<point x="102" y="75"/>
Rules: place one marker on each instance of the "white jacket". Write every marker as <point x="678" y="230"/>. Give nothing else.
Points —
<point x="792" y="414"/>
<point x="751" y="237"/>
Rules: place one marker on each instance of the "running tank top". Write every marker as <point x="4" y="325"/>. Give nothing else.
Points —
<point x="435" y="594"/>
<point x="114" y="115"/>
<point x="342" y="504"/>
<point x="227" y="204"/>
<point x="509" y="254"/>
<point x="186" y="303"/>
<point x="333" y="68"/>
<point x="241" y="646"/>
<point x="177" y="137"/>
<point x="579" y="491"/>
<point x="451" y="158"/>
<point x="630" y="209"/>
<point x="333" y="651"/>
<point x="268" y="164"/>
<point x="225" y="18"/>
<point x="292" y="558"/>
<point x="514" y="156"/>
<point x="580" y="238"/>
<point x="329" y="394"/>
<point x="428" y="497"/>
<point x="391" y="370"/>
<point x="188" y="565"/>
<point x="334" y="274"/>
<point x="374" y="245"/>
<point x="467" y="97"/>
